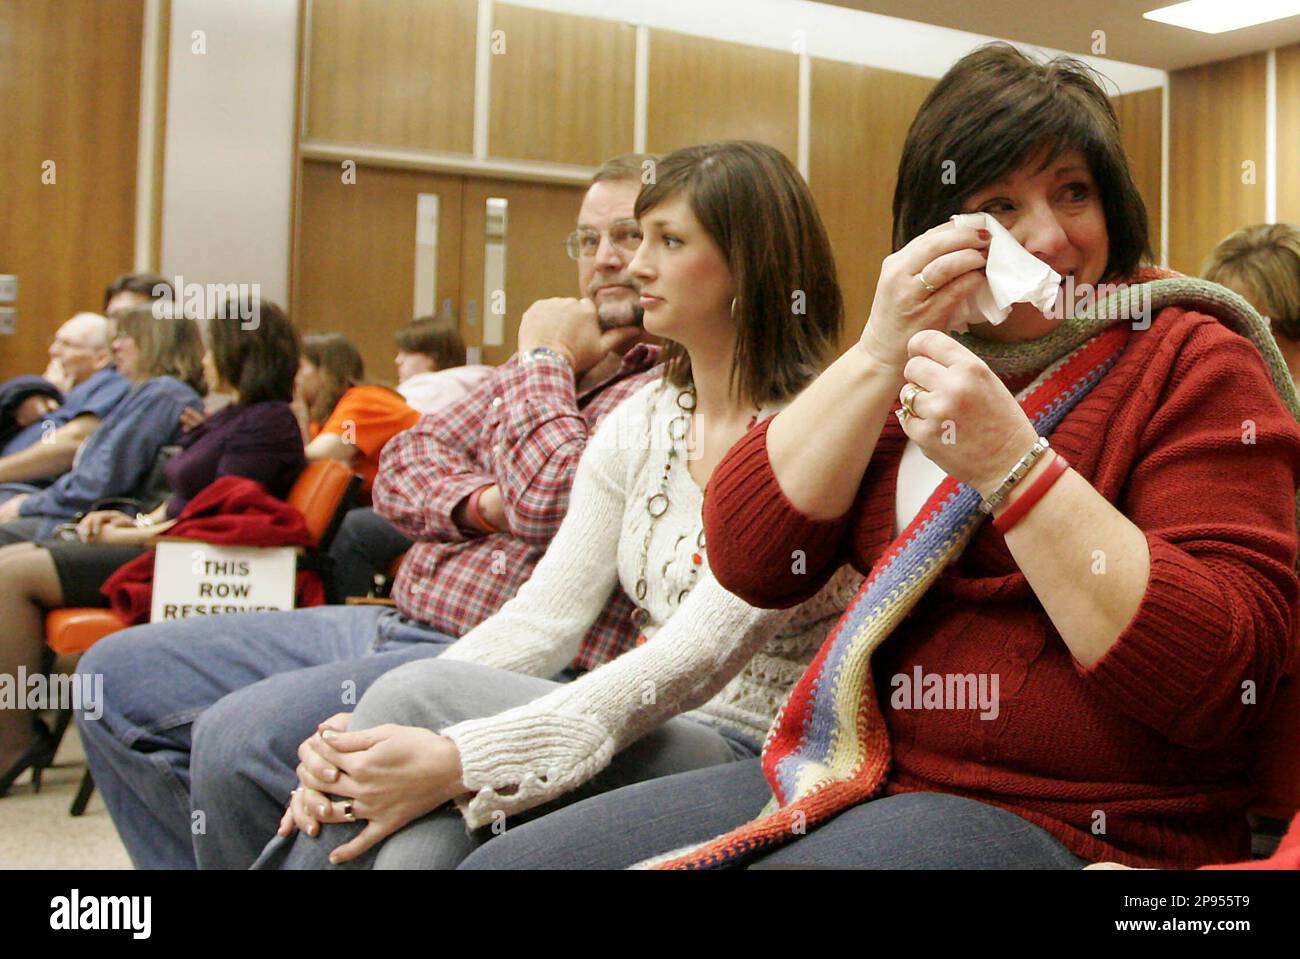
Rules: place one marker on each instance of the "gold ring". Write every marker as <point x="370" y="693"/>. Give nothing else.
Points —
<point x="902" y="416"/>
<point x="910" y="392"/>
<point x="926" y="283"/>
<point x="347" y="811"/>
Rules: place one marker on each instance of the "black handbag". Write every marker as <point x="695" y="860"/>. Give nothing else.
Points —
<point x="151" y="494"/>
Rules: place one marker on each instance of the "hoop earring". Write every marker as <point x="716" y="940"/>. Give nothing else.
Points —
<point x="733" y="307"/>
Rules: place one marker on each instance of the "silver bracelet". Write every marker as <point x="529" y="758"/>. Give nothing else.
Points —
<point x="994" y="500"/>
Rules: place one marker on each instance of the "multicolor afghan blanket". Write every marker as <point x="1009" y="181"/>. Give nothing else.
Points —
<point x="829" y="747"/>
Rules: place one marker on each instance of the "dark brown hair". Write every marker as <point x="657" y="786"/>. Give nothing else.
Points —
<point x="1262" y="263"/>
<point x="755" y="206"/>
<point x="992" y="112"/>
<point x="259" y="360"/>
<point x="437" y="339"/>
<point x="169" y="344"/>
<point x="146" y="284"/>
<point x="341" y="368"/>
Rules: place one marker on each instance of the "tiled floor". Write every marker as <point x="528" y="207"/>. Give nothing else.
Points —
<point x="36" y="831"/>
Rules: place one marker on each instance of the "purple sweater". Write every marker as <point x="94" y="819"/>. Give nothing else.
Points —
<point x="259" y="442"/>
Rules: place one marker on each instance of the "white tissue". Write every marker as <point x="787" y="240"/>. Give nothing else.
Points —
<point x="1014" y="275"/>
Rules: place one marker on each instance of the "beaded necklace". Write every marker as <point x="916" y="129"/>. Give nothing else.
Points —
<point x="657" y="504"/>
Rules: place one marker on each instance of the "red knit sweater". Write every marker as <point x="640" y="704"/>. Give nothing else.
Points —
<point x="1143" y="758"/>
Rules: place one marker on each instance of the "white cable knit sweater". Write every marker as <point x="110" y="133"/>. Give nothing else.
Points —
<point x="735" y="662"/>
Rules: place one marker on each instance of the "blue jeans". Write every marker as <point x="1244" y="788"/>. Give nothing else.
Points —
<point x="907" y="831"/>
<point x="259" y="681"/>
<point x="365" y="544"/>
<point x="439" y="693"/>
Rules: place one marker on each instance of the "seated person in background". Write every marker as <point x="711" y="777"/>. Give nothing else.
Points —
<point x="80" y="368"/>
<point x="342" y="418"/>
<point x="516" y="442"/>
<point x="162" y="359"/>
<point x="431" y="370"/>
<point x="25" y="400"/>
<point x="134" y="289"/>
<point x="255" y="437"/>
<point x="43" y="447"/>
<point x="1262" y="263"/>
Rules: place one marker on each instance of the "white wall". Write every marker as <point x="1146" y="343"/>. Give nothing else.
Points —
<point x="228" y="161"/>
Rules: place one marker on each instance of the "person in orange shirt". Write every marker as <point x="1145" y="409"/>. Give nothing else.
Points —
<point x="343" y="417"/>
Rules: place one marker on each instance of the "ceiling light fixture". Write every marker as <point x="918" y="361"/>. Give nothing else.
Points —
<point x="1220" y="16"/>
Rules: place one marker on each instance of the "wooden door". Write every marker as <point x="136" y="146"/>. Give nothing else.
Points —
<point x="360" y="246"/>
<point x="70" y="112"/>
<point x="538" y="216"/>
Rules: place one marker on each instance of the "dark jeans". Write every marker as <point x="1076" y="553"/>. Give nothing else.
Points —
<point x="366" y="543"/>
<point x="435" y="694"/>
<point x="250" y="684"/>
<point x="908" y="831"/>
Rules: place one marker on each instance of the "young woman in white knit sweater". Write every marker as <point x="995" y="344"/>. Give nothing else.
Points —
<point x="736" y="271"/>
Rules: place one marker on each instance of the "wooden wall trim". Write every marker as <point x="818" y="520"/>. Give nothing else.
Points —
<point x="152" y="138"/>
<point x="299" y="130"/>
<point x="1288" y="134"/>
<point x="437" y="161"/>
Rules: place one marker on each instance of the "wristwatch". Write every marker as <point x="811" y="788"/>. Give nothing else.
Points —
<point x="528" y="357"/>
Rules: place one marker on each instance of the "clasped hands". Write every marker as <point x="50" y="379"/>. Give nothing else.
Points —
<point x="959" y="413"/>
<point x="388" y="776"/>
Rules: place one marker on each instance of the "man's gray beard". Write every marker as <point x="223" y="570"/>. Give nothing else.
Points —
<point x="618" y="315"/>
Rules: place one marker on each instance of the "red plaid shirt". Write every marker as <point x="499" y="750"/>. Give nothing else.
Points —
<point x="523" y="429"/>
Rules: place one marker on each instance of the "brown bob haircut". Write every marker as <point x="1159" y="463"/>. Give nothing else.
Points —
<point x="169" y="344"/>
<point x="260" y="361"/>
<point x="1262" y="263"/>
<point x="994" y="111"/>
<point x="756" y="207"/>
<point x="437" y="339"/>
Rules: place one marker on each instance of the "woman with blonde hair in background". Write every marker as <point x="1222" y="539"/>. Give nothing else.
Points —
<point x="1262" y="263"/>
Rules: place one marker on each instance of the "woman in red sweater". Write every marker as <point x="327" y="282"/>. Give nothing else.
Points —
<point x="1077" y="680"/>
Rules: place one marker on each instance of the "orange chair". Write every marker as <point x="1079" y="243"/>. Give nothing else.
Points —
<point x="323" y="493"/>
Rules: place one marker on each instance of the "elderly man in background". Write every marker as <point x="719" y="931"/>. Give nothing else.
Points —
<point x="44" y="420"/>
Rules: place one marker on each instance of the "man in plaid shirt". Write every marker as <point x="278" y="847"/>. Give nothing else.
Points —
<point x="481" y="486"/>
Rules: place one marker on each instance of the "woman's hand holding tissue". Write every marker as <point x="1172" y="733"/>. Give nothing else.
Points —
<point x="921" y="287"/>
<point x="964" y="418"/>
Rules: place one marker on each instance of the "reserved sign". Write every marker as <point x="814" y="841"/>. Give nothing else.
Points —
<point x="202" y="579"/>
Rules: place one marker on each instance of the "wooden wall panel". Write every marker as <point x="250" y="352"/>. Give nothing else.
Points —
<point x="394" y="72"/>
<point x="1216" y="124"/>
<point x="1139" y="124"/>
<point x="69" y="93"/>
<point x="356" y="254"/>
<point x="1288" y="134"/>
<point x="703" y="90"/>
<point x="540" y="216"/>
<point x="562" y="87"/>
<point x="860" y="117"/>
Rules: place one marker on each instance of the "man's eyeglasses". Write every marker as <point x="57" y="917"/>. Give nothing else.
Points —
<point x="624" y="236"/>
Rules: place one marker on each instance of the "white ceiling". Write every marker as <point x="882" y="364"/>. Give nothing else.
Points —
<point x="1069" y="25"/>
